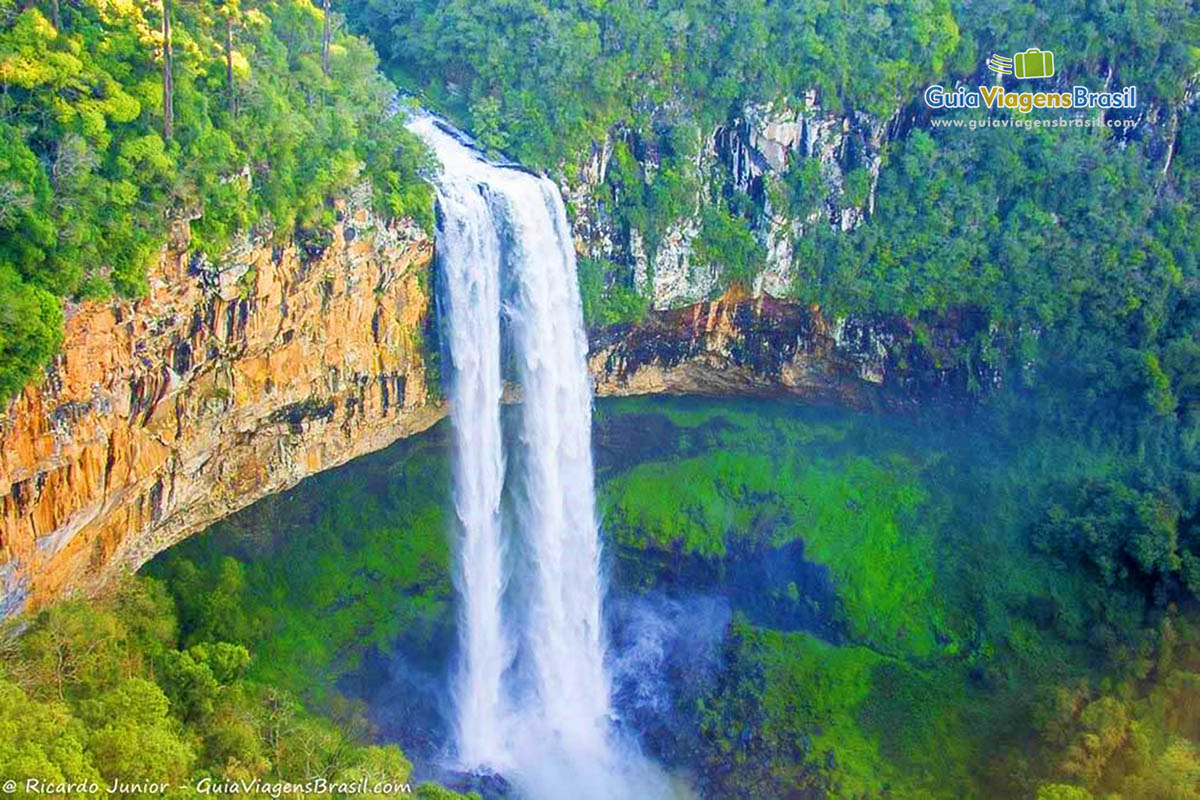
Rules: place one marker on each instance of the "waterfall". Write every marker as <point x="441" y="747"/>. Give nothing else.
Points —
<point x="557" y="512"/>
<point x="532" y="693"/>
<point x="468" y="245"/>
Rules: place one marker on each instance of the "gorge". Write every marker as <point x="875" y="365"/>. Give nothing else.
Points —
<point x="674" y="405"/>
<point x="237" y="378"/>
<point x="202" y="399"/>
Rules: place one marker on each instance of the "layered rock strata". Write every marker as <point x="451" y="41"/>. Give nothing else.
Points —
<point x="225" y="383"/>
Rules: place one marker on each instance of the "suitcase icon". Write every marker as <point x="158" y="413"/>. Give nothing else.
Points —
<point x="1034" y="63"/>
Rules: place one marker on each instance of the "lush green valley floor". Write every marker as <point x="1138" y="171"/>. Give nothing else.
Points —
<point x="900" y="627"/>
<point x="901" y="620"/>
<point x="950" y="630"/>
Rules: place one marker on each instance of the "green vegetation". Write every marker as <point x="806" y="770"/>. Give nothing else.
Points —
<point x="791" y="713"/>
<point x="110" y="692"/>
<point x="543" y="81"/>
<point x="375" y="570"/>
<point x="1136" y="737"/>
<point x="652" y="202"/>
<point x="843" y="721"/>
<point x="850" y="512"/>
<point x="975" y="585"/>
<point x="91" y="182"/>
<point x="607" y="301"/>
<point x="1054" y="231"/>
<point x="1071" y="245"/>
<point x="726" y="242"/>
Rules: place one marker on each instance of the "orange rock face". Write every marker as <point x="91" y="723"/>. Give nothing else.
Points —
<point x="224" y="384"/>
<point x="230" y="382"/>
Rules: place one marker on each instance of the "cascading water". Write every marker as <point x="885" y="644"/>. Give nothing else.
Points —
<point x="557" y="512"/>
<point x="533" y="703"/>
<point x="469" y="253"/>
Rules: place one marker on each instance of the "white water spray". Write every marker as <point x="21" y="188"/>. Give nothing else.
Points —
<point x="557" y="512"/>
<point x="469" y="254"/>
<point x="546" y="723"/>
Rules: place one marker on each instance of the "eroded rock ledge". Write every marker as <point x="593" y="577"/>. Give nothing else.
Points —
<point x="224" y="384"/>
<point x="771" y="348"/>
<point x="231" y="382"/>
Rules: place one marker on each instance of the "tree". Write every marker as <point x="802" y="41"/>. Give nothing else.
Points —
<point x="73" y="649"/>
<point x="378" y="765"/>
<point x="230" y="12"/>
<point x="326" y="36"/>
<point x="190" y="685"/>
<point x="41" y="740"/>
<point x="133" y="736"/>
<point x="167" y="73"/>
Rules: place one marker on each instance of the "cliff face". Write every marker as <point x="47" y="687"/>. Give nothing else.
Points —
<point x="232" y="381"/>
<point x="750" y="155"/>
<point x="769" y="348"/>
<point x="770" y="157"/>
<point x="226" y="383"/>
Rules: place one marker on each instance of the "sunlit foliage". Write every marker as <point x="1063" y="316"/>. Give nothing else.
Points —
<point x="89" y="187"/>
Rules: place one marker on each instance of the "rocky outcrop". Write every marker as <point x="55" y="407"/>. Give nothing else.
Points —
<point x="225" y="383"/>
<point x="770" y="348"/>
<point x="234" y="380"/>
<point x="750" y="155"/>
<point x="793" y="168"/>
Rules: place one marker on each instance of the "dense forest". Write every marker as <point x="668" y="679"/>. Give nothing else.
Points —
<point x="954" y="657"/>
<point x="118" y="694"/>
<point x="264" y="124"/>
<point x="1040" y="629"/>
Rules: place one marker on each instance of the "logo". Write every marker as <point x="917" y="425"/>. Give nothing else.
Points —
<point x="1033" y="63"/>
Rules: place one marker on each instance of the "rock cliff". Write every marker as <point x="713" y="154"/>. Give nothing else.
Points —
<point x="750" y="155"/>
<point x="234" y="380"/>
<point x="225" y="383"/>
<point x="765" y="347"/>
<point x="790" y="170"/>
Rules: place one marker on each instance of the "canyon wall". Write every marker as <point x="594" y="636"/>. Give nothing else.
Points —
<point x="225" y="383"/>
<point x="792" y="171"/>
<point x="751" y="155"/>
<point x="764" y="347"/>
<point x="234" y="380"/>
